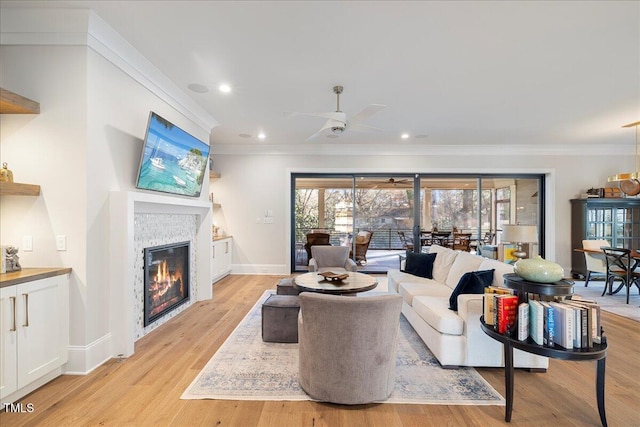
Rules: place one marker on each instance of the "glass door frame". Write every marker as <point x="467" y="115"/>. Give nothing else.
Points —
<point x="417" y="210"/>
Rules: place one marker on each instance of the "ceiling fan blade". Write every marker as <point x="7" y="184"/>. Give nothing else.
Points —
<point x="334" y="115"/>
<point x="367" y="112"/>
<point x="328" y="124"/>
<point x="362" y="128"/>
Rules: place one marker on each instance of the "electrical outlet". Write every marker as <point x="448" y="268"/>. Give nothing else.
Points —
<point x="27" y="243"/>
<point x="268" y="220"/>
<point x="61" y="243"/>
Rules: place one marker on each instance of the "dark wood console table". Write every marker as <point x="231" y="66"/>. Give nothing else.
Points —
<point x="597" y="352"/>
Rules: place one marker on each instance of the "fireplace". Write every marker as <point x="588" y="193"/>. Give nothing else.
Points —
<point x="166" y="279"/>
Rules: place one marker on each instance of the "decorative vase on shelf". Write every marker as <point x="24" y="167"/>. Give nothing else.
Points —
<point x="5" y="173"/>
<point x="538" y="270"/>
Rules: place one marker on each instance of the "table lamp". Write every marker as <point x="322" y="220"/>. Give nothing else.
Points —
<point x="519" y="234"/>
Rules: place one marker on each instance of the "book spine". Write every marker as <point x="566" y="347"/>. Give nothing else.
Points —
<point x="507" y="311"/>
<point x="487" y="302"/>
<point x="558" y="332"/>
<point x="584" y="327"/>
<point x="523" y="321"/>
<point x="548" y="335"/>
<point x="536" y="320"/>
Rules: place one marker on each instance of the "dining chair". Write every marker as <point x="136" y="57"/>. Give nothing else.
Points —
<point x="461" y="242"/>
<point x="595" y="262"/>
<point x="363" y="239"/>
<point x="426" y="239"/>
<point x="315" y="239"/>
<point x="620" y="265"/>
<point x="407" y="243"/>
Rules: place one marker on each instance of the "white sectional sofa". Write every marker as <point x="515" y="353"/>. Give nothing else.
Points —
<point x="455" y="338"/>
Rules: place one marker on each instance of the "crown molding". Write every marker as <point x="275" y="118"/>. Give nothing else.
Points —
<point x="417" y="150"/>
<point x="83" y="27"/>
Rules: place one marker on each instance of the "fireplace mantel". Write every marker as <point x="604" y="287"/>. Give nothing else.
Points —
<point x="123" y="206"/>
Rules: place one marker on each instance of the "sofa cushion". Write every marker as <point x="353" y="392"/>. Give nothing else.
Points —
<point x="428" y="287"/>
<point x="500" y="268"/>
<point x="395" y="277"/>
<point x="472" y="282"/>
<point x="420" y="265"/>
<point x="443" y="262"/>
<point x="463" y="263"/>
<point x="435" y="311"/>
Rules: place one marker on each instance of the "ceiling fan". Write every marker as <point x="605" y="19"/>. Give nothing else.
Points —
<point x="337" y="120"/>
<point x="393" y="182"/>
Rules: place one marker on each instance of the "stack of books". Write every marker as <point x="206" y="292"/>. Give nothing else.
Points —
<point x="567" y="323"/>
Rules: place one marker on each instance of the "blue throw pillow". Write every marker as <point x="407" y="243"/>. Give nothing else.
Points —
<point x="419" y="264"/>
<point x="472" y="282"/>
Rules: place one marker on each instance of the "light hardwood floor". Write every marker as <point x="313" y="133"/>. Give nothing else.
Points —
<point x="145" y="389"/>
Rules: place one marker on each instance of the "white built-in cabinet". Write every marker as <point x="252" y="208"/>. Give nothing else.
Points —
<point x="34" y="334"/>
<point x="221" y="258"/>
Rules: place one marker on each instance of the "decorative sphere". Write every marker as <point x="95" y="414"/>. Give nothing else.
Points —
<point x="538" y="270"/>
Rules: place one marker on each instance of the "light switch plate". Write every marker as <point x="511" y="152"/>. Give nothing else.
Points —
<point x="27" y="243"/>
<point x="61" y="243"/>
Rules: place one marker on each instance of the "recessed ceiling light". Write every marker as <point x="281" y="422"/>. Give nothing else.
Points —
<point x="261" y="135"/>
<point x="197" y="87"/>
<point x="404" y="136"/>
<point x="224" y="88"/>
<point x="244" y="135"/>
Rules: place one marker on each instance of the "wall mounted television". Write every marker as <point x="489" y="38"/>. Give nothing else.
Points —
<point x="172" y="161"/>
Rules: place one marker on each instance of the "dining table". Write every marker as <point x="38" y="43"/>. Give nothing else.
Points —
<point x="441" y="237"/>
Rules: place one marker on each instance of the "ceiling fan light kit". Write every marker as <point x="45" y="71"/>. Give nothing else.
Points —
<point x="629" y="182"/>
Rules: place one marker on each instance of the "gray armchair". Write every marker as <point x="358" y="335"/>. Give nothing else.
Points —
<point x="331" y="258"/>
<point x="348" y="347"/>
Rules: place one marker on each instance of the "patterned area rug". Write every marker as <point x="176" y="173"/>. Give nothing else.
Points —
<point x="246" y="368"/>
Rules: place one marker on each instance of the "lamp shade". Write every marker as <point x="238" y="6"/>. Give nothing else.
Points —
<point x="519" y="233"/>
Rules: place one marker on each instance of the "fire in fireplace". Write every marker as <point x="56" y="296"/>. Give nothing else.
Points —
<point x="166" y="279"/>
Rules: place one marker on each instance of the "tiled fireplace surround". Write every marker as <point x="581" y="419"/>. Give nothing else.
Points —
<point x="139" y="220"/>
<point x="155" y="229"/>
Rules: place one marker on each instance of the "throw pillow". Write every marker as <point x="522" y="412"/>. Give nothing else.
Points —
<point x="420" y="265"/>
<point x="472" y="282"/>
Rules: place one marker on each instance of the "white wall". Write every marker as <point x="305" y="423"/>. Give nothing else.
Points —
<point x="250" y="184"/>
<point x="85" y="143"/>
<point x="48" y="149"/>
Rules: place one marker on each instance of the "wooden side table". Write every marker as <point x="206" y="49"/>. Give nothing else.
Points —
<point x="597" y="352"/>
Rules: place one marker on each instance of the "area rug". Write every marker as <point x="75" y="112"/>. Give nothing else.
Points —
<point x="246" y="368"/>
<point x="616" y="304"/>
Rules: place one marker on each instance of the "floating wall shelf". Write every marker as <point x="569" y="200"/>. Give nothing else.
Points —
<point x="12" y="103"/>
<point x="16" y="189"/>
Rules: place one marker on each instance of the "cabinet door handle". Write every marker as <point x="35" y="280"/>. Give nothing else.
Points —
<point x="13" y="303"/>
<point x="26" y="306"/>
<point x="226" y="247"/>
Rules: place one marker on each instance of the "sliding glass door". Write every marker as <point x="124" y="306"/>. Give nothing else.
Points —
<point x="381" y="216"/>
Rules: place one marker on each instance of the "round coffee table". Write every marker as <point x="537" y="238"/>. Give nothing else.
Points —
<point x="356" y="282"/>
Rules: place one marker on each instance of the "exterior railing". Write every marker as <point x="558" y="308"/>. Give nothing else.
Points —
<point x="383" y="239"/>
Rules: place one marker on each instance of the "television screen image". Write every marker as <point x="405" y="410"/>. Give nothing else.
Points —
<point x="173" y="161"/>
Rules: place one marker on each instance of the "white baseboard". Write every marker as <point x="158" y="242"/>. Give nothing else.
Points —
<point x="85" y="358"/>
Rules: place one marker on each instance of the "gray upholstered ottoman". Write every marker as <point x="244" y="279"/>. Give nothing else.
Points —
<point x="285" y="287"/>
<point x="280" y="318"/>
